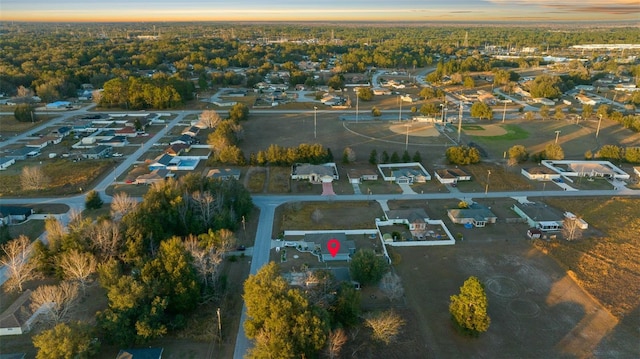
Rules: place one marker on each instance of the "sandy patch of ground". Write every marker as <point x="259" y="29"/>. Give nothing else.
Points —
<point x="416" y="129"/>
<point x="489" y="130"/>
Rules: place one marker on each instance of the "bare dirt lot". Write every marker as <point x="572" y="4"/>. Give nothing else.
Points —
<point x="536" y="310"/>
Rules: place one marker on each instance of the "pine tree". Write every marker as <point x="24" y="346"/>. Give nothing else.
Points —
<point x="469" y="308"/>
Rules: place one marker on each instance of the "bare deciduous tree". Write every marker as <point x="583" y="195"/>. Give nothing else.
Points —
<point x="78" y="266"/>
<point x="205" y="206"/>
<point x="210" y="118"/>
<point x="316" y="215"/>
<point x="56" y="301"/>
<point x="391" y="286"/>
<point x="122" y="204"/>
<point x="16" y="261"/>
<point x="206" y="261"/>
<point x="24" y="91"/>
<point x="386" y="326"/>
<point x="337" y="339"/>
<point x="571" y="229"/>
<point x="106" y="238"/>
<point x="96" y="96"/>
<point x="55" y="231"/>
<point x="33" y="178"/>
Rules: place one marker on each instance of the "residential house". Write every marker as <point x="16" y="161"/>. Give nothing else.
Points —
<point x="585" y="100"/>
<point x="321" y="240"/>
<point x="115" y="141"/>
<point x="415" y="218"/>
<point x="184" y="139"/>
<point x="18" y="318"/>
<point x="224" y="174"/>
<point x="544" y="101"/>
<point x="476" y="215"/>
<point x="157" y="175"/>
<point x="14" y="214"/>
<point x="540" y="216"/>
<point x="23" y="153"/>
<point x="409" y="98"/>
<point x="380" y="91"/>
<point x="145" y="353"/>
<point x="409" y="176"/>
<point x="62" y="131"/>
<point x="42" y="142"/>
<point x="191" y="131"/>
<point x="363" y="174"/>
<point x="100" y="151"/>
<point x="177" y="149"/>
<point x="315" y="173"/>
<point x="5" y="162"/>
<point x="452" y="175"/>
<point x="161" y="162"/>
<point x="126" y="131"/>
<point x="540" y="173"/>
<point x="58" y="105"/>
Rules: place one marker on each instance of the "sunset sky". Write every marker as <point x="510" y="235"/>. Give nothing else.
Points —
<point x="305" y="10"/>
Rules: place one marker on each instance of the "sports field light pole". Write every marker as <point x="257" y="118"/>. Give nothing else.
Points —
<point x="315" y="119"/>
<point x="558" y="134"/>
<point x="599" y="122"/>
<point x="400" y="112"/>
<point x="406" y="142"/>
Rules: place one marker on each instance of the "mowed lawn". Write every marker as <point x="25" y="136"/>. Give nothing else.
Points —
<point x="575" y="139"/>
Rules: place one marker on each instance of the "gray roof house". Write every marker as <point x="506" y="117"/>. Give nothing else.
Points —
<point x="24" y="152"/>
<point x="94" y="153"/>
<point x="5" y="162"/>
<point x="315" y="173"/>
<point x="477" y="215"/>
<point x="347" y="248"/>
<point x="224" y="174"/>
<point x="540" y="216"/>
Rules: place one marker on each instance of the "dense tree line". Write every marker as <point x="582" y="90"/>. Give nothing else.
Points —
<point x="140" y="93"/>
<point x="64" y="58"/>
<point x="286" y="156"/>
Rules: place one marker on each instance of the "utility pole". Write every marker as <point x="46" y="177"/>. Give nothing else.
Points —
<point x="504" y="111"/>
<point x="486" y="188"/>
<point x="357" y="100"/>
<point x="460" y="122"/>
<point x="400" y="112"/>
<point x="599" y="122"/>
<point x="219" y="326"/>
<point x="558" y="133"/>
<point x="315" y="118"/>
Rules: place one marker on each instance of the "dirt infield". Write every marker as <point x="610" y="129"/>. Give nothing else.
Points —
<point x="416" y="129"/>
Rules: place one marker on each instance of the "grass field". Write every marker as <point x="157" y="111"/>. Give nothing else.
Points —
<point x="65" y="177"/>
<point x="608" y="266"/>
<point x="9" y="126"/>
<point x="473" y="127"/>
<point x="514" y="133"/>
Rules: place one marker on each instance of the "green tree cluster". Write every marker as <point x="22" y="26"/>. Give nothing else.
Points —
<point x="141" y="93"/>
<point x="25" y="113"/>
<point x="547" y="86"/>
<point x="462" y="155"/>
<point x="368" y="268"/>
<point x="481" y="110"/>
<point x="286" y="156"/>
<point x="280" y="320"/>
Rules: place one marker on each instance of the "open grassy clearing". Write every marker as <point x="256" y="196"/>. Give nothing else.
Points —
<point x="330" y="215"/>
<point x="608" y="266"/>
<point x="473" y="127"/>
<point x="501" y="178"/>
<point x="279" y="180"/>
<point x="65" y="177"/>
<point x="256" y="179"/>
<point x="32" y="228"/>
<point x="9" y="126"/>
